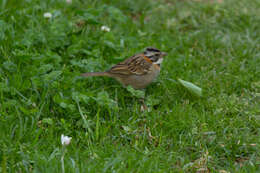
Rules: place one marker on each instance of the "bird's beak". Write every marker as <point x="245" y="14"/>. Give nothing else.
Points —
<point x="164" y="54"/>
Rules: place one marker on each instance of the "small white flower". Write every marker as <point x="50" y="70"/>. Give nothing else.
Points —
<point x="69" y="1"/>
<point x="65" y="140"/>
<point x="105" y="28"/>
<point x="47" y="15"/>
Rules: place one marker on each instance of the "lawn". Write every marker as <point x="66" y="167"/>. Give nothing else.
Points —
<point x="46" y="45"/>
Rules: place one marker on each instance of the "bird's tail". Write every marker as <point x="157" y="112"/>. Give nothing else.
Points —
<point x="95" y="74"/>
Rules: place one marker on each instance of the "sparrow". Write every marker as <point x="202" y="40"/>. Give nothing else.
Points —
<point x="137" y="71"/>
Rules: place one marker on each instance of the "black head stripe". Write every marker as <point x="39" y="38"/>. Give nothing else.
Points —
<point x="151" y="49"/>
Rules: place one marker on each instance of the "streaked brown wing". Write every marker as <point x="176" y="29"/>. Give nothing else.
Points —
<point x="134" y="65"/>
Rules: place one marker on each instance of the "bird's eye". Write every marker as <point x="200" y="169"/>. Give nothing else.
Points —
<point x="154" y="58"/>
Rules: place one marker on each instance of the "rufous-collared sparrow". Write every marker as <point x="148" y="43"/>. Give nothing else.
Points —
<point x="138" y="71"/>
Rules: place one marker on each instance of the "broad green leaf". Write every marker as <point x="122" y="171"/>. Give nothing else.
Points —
<point x="52" y="76"/>
<point x="136" y="93"/>
<point x="80" y="97"/>
<point x="103" y="100"/>
<point x="10" y="66"/>
<point x="48" y="121"/>
<point x="191" y="87"/>
<point x="45" y="68"/>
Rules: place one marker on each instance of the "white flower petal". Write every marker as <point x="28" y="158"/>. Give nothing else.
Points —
<point x="47" y="15"/>
<point x="65" y="140"/>
<point x="105" y="28"/>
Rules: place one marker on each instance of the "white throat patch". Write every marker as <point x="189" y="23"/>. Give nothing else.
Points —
<point x="160" y="60"/>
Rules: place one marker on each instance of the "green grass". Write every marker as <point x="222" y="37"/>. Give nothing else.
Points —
<point x="213" y="45"/>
